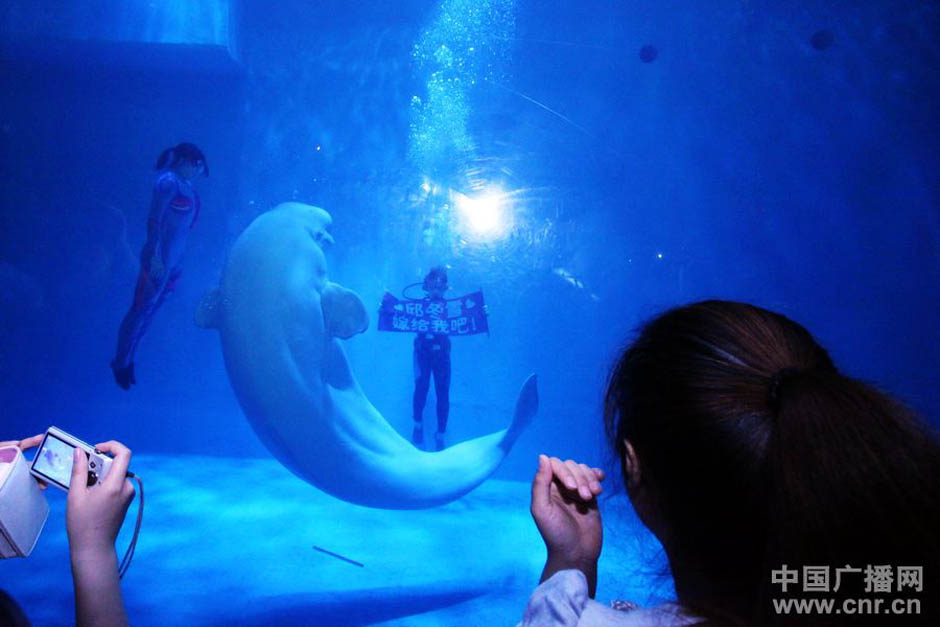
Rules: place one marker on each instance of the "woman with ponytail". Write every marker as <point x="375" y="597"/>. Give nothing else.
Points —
<point x="174" y="210"/>
<point x="755" y="462"/>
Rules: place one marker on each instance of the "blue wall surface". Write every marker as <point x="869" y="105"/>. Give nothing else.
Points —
<point x="782" y="156"/>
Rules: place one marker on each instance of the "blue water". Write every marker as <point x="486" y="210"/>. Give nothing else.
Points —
<point x="643" y="154"/>
<point x="232" y="542"/>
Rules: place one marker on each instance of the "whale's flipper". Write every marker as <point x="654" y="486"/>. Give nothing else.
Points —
<point x="209" y="311"/>
<point x="344" y="313"/>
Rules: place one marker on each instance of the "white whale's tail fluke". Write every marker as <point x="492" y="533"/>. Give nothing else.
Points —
<point x="527" y="405"/>
<point x="408" y="478"/>
<point x="452" y="473"/>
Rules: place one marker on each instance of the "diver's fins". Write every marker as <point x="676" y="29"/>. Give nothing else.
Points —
<point x="124" y="375"/>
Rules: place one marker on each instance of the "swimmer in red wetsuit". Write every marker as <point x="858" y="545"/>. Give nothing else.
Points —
<point x="173" y="213"/>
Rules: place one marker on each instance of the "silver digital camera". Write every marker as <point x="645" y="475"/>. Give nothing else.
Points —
<point x="53" y="460"/>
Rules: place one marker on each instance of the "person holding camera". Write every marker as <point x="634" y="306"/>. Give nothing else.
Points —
<point x="93" y="517"/>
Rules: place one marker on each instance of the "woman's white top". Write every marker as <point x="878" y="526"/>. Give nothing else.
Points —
<point x="563" y="601"/>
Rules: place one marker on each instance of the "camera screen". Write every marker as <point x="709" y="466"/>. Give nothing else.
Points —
<point x="54" y="460"/>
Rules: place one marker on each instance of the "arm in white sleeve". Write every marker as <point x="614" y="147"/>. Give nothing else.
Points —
<point x="558" y="602"/>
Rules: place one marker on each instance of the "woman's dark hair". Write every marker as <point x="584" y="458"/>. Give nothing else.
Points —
<point x="11" y="614"/>
<point x="755" y="453"/>
<point x="182" y="153"/>
<point x="435" y="272"/>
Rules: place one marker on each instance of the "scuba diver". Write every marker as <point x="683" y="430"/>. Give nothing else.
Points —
<point x="433" y="319"/>
<point x="174" y="210"/>
<point x="432" y="356"/>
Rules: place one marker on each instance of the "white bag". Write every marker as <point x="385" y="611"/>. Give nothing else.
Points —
<point x="23" y="507"/>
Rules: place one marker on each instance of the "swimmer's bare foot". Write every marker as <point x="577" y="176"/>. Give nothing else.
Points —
<point x="124" y="376"/>
<point x="439" y="441"/>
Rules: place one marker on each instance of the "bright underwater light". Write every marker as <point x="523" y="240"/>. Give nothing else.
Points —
<point x="485" y="215"/>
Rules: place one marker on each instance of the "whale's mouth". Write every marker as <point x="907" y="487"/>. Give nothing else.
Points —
<point x="321" y="237"/>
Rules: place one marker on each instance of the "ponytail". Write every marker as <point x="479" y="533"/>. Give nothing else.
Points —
<point x="167" y="159"/>
<point x="855" y="480"/>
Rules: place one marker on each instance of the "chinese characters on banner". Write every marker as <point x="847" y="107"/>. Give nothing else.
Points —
<point x="453" y="316"/>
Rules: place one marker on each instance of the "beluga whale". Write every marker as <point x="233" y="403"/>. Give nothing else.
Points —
<point x="280" y="320"/>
